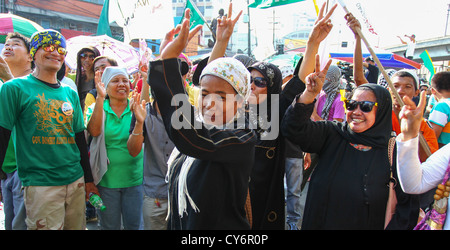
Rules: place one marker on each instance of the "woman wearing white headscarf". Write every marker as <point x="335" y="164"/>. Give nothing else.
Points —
<point x="208" y="179"/>
<point x="120" y="180"/>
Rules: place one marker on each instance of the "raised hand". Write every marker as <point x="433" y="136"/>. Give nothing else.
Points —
<point x="5" y="72"/>
<point x="225" y="25"/>
<point x="99" y="85"/>
<point x="353" y="24"/>
<point x="411" y="117"/>
<point x="138" y="107"/>
<point x="172" y="47"/>
<point x="322" y="26"/>
<point x="314" y="82"/>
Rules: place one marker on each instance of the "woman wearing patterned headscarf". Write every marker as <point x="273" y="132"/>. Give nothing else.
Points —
<point x="329" y="105"/>
<point x="208" y="177"/>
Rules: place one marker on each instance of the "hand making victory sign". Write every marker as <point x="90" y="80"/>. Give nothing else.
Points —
<point x="314" y="82"/>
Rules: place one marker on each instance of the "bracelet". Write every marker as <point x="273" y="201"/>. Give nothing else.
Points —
<point x="138" y="133"/>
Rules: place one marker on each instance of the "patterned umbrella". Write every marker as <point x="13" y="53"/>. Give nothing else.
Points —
<point x="12" y="23"/>
<point x="125" y="54"/>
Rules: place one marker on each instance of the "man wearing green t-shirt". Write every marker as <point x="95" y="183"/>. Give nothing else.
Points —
<point x="51" y="150"/>
<point x="15" y="62"/>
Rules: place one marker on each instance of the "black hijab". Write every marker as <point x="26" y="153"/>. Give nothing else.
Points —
<point x="378" y="135"/>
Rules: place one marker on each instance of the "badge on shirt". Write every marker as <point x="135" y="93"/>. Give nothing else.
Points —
<point x="67" y="108"/>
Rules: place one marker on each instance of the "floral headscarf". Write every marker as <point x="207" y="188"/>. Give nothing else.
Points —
<point x="232" y="71"/>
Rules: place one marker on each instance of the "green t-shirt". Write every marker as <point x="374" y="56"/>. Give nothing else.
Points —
<point x="46" y="121"/>
<point x="123" y="169"/>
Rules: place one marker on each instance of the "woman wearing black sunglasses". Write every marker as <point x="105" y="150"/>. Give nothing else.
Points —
<point x="348" y="188"/>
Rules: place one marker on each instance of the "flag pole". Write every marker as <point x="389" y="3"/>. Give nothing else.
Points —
<point x="422" y="140"/>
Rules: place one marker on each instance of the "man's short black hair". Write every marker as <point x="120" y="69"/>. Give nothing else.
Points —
<point x="25" y="39"/>
<point x="441" y="81"/>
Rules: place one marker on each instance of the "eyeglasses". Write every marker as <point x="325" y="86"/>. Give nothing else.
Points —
<point x="259" y="81"/>
<point x="52" y="47"/>
<point x="365" y="106"/>
<point x="84" y="56"/>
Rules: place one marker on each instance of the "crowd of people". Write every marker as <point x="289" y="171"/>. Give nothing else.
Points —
<point x="221" y="143"/>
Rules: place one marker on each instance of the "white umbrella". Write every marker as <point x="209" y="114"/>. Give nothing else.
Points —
<point x="125" y="54"/>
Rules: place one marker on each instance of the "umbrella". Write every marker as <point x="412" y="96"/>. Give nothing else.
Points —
<point x="387" y="59"/>
<point x="12" y="23"/>
<point x="126" y="55"/>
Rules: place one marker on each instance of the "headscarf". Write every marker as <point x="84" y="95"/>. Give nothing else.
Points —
<point x="111" y="72"/>
<point x="378" y="135"/>
<point x="382" y="81"/>
<point x="274" y="79"/>
<point x="47" y="36"/>
<point x="246" y="60"/>
<point x="232" y="71"/>
<point x="330" y="87"/>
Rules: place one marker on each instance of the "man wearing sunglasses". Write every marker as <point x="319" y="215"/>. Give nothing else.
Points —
<point x="51" y="150"/>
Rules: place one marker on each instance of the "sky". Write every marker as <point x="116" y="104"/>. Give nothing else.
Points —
<point x="389" y="18"/>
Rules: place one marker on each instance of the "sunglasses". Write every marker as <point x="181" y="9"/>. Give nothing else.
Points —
<point x="259" y="81"/>
<point x="52" y="47"/>
<point x="365" y="106"/>
<point x="84" y="56"/>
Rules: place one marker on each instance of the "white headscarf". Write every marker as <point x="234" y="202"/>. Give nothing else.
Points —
<point x="111" y="72"/>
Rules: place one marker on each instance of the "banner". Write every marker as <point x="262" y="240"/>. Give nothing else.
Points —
<point x="366" y="20"/>
<point x="264" y="4"/>
<point x="147" y="19"/>
<point x="428" y="63"/>
<point x="103" y="22"/>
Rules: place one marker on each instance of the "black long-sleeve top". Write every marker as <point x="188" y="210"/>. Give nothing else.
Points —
<point x="219" y="175"/>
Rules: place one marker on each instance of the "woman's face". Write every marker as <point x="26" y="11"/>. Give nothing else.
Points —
<point x="118" y="87"/>
<point x="259" y="94"/>
<point x="218" y="101"/>
<point x="358" y="120"/>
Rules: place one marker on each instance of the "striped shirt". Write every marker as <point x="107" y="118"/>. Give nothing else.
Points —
<point x="441" y="116"/>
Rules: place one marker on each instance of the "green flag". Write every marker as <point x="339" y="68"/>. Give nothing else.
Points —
<point x="196" y="15"/>
<point x="103" y="22"/>
<point x="428" y="63"/>
<point x="264" y="4"/>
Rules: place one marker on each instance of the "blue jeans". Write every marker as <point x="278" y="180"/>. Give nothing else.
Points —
<point x="123" y="205"/>
<point x="13" y="200"/>
<point x="294" y="172"/>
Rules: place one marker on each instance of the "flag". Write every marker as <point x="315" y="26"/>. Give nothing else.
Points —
<point x="103" y="22"/>
<point x="428" y="63"/>
<point x="316" y="7"/>
<point x="142" y="19"/>
<point x="366" y="20"/>
<point x="264" y="4"/>
<point x="196" y="16"/>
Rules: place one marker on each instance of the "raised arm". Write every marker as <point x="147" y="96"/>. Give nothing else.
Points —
<point x="322" y="28"/>
<point x="358" y="69"/>
<point x="94" y="125"/>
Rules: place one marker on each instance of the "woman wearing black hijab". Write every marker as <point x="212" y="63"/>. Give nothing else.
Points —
<point x="348" y="188"/>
